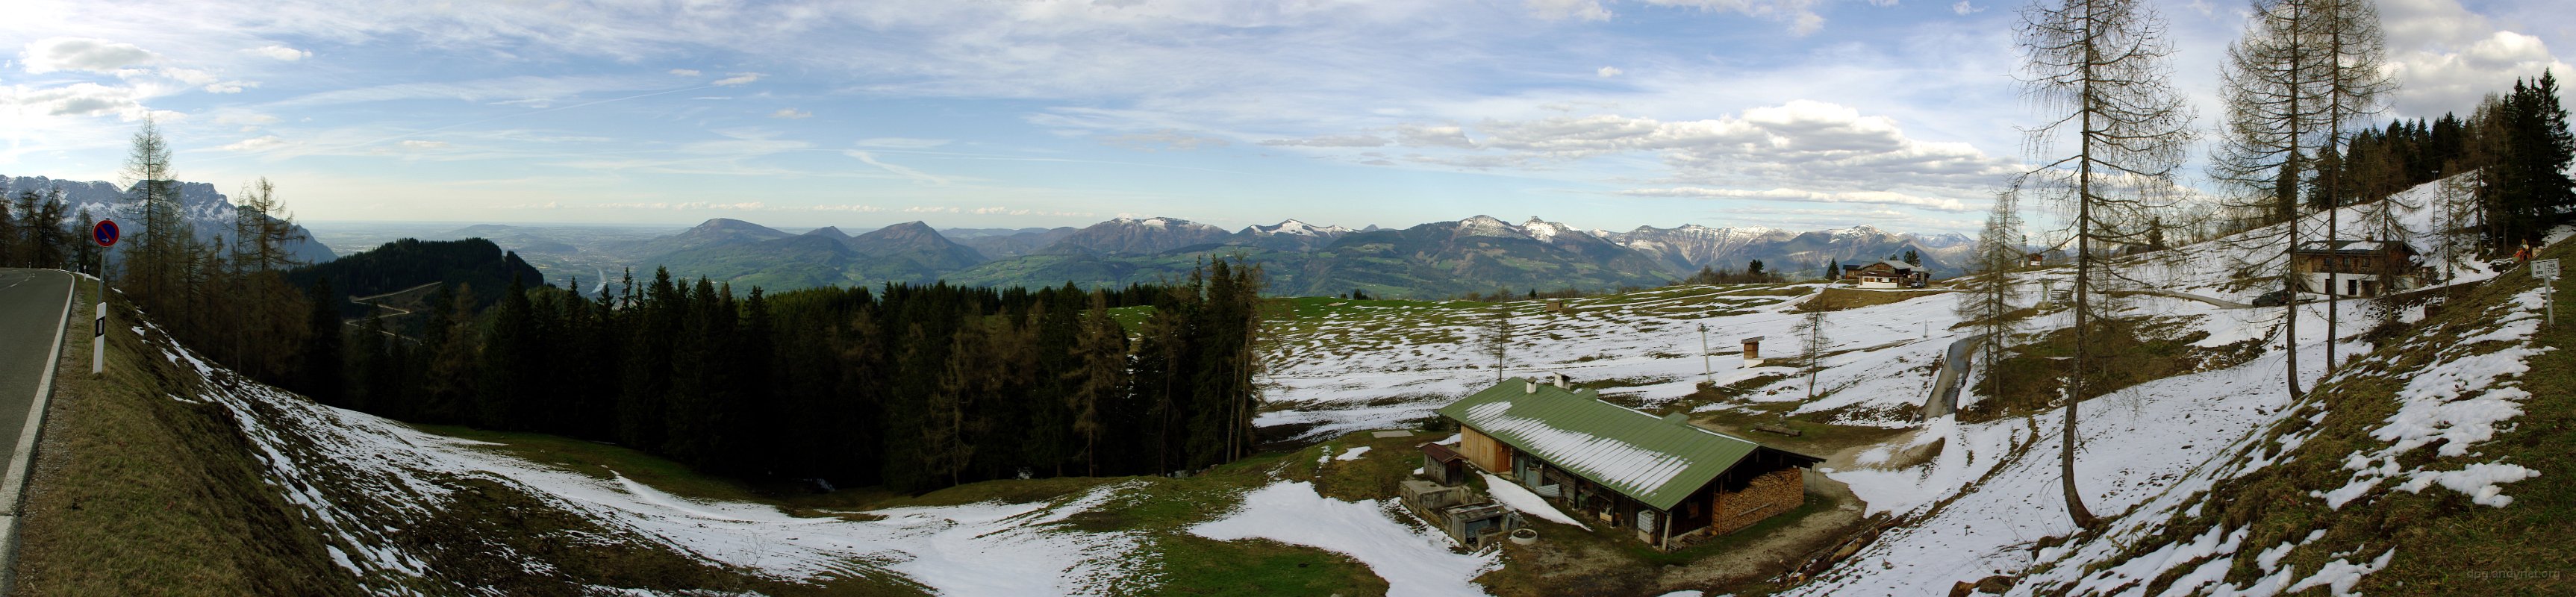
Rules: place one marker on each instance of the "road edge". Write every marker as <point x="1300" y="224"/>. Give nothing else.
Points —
<point x="22" y="459"/>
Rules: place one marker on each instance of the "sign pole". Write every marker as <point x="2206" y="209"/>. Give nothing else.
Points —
<point x="105" y="234"/>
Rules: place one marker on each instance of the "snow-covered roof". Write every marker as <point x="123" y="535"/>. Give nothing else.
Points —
<point x="2352" y="246"/>
<point x="1655" y="460"/>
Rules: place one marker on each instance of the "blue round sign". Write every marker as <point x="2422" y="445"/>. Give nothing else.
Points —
<point x="105" y="233"/>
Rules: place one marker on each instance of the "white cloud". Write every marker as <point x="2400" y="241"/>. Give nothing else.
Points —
<point x="1799" y="14"/>
<point x="1331" y="141"/>
<point x="77" y="99"/>
<point x="737" y="79"/>
<point x="791" y="114"/>
<point x="906" y="172"/>
<point x="256" y="144"/>
<point x="282" y="53"/>
<point x="81" y="53"/>
<point x="419" y="144"/>
<point x="1165" y="139"/>
<point x="1785" y="194"/>
<point x="900" y="143"/>
<point x="743" y="147"/>
<point x="2446" y="58"/>
<point x="206" y="80"/>
<point x="1965" y="9"/>
<point x="1588" y="10"/>
<point x="685" y="72"/>
<point x="1418" y="135"/>
<point x="1609" y="71"/>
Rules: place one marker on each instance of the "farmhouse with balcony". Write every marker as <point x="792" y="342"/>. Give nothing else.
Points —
<point x="2363" y="268"/>
<point x="1887" y="274"/>
<point x="1669" y="482"/>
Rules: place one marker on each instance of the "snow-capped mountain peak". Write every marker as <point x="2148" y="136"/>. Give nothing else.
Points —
<point x="1489" y="226"/>
<point x="1296" y="228"/>
<point x="1543" y="230"/>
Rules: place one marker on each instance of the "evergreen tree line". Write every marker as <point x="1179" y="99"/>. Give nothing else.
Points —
<point x="913" y="387"/>
<point x="34" y="232"/>
<point x="2517" y="143"/>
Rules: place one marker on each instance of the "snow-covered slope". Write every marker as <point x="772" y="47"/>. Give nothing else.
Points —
<point x="2149" y="455"/>
<point x="367" y="481"/>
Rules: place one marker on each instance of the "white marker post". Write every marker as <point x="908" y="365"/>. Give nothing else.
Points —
<point x="2547" y="271"/>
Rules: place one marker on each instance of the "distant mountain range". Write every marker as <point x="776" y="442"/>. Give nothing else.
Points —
<point x="1438" y="259"/>
<point x="209" y="213"/>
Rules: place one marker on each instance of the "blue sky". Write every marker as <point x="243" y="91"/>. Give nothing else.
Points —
<point x="1601" y="114"/>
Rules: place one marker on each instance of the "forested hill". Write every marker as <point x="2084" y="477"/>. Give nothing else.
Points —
<point x="474" y="263"/>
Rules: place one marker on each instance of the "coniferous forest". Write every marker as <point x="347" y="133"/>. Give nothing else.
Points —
<point x="911" y="387"/>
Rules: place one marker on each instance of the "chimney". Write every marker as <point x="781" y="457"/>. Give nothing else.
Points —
<point x="1558" y="379"/>
<point x="1532" y="388"/>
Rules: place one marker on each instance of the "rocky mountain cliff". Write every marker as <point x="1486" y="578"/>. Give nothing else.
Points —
<point x="209" y="214"/>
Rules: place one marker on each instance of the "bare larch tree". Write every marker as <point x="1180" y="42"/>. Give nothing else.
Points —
<point x="2273" y="88"/>
<point x="2097" y="68"/>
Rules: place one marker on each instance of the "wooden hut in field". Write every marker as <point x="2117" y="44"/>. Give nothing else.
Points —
<point x="1667" y="481"/>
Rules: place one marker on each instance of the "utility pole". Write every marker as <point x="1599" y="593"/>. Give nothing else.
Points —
<point x="1707" y="374"/>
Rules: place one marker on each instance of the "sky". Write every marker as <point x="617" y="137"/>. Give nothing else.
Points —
<point x="1799" y="114"/>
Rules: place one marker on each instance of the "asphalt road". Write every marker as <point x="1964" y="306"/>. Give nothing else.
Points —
<point x="31" y="326"/>
<point x="1954" y="369"/>
<point x="31" y="309"/>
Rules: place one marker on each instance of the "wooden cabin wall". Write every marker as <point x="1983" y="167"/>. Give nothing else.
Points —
<point x="1494" y="456"/>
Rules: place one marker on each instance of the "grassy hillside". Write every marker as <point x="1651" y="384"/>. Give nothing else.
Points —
<point x="136" y="493"/>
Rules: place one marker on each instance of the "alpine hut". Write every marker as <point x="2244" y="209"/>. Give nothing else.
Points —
<point x="1669" y="482"/>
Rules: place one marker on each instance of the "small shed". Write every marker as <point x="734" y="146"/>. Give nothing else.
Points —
<point x="2033" y="259"/>
<point x="1753" y="351"/>
<point x="1443" y="465"/>
<point x="1556" y="305"/>
<point x="1474" y="523"/>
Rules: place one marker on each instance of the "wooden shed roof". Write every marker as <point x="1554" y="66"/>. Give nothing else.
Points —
<point x="1655" y="460"/>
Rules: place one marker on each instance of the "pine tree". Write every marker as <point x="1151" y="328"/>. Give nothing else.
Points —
<point x="324" y="366"/>
<point x="1102" y="378"/>
<point x="510" y="367"/>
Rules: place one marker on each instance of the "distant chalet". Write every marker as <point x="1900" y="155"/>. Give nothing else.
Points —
<point x="2364" y="268"/>
<point x="1887" y="274"/>
<point x="1673" y="483"/>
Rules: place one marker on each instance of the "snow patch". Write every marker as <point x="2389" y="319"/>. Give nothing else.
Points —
<point x="1520" y="498"/>
<point x="1414" y="561"/>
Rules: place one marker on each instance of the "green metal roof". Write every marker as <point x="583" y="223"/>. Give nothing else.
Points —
<point x="1654" y="460"/>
